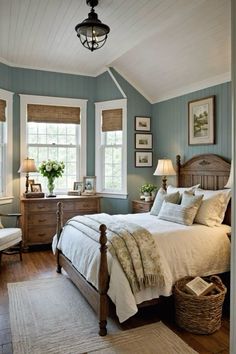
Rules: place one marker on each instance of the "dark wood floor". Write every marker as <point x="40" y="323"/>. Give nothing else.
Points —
<point x="42" y="264"/>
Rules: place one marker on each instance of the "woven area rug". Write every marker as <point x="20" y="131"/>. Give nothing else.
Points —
<point x="49" y="316"/>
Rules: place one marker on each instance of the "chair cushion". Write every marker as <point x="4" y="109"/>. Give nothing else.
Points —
<point x="9" y="237"/>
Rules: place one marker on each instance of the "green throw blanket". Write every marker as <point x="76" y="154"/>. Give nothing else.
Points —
<point x="133" y="246"/>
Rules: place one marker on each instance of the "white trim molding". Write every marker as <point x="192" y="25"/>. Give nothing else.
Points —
<point x="60" y="101"/>
<point x="99" y="107"/>
<point x="8" y="176"/>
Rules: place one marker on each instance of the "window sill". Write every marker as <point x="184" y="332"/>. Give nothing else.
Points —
<point x="112" y="195"/>
<point x="6" y="200"/>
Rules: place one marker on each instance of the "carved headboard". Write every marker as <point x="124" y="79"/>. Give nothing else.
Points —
<point x="209" y="170"/>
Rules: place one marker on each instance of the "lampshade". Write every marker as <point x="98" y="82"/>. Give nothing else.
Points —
<point x="164" y="168"/>
<point x="92" y="32"/>
<point x="229" y="184"/>
<point x="27" y="165"/>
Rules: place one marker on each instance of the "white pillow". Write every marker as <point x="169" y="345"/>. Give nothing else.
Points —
<point x="160" y="197"/>
<point x="181" y="190"/>
<point x="178" y="213"/>
<point x="213" y="207"/>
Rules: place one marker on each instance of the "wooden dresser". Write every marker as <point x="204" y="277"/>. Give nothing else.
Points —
<point x="140" y="206"/>
<point x="38" y="220"/>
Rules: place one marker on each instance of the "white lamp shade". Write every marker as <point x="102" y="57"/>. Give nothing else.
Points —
<point x="164" y="168"/>
<point x="229" y="184"/>
<point x="27" y="165"/>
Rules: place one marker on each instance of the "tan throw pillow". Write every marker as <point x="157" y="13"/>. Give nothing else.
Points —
<point x="160" y="197"/>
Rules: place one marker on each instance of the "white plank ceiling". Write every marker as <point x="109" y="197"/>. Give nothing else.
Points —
<point x="163" y="47"/>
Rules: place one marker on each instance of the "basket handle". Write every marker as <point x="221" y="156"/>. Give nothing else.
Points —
<point x="217" y="280"/>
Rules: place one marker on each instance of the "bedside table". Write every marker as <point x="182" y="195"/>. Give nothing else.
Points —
<point x="140" y="206"/>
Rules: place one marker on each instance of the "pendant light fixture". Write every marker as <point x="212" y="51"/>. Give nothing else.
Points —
<point x="92" y="32"/>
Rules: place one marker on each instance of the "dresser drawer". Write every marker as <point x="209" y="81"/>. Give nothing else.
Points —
<point x="141" y="207"/>
<point x="41" y="235"/>
<point x="42" y="219"/>
<point x="51" y="206"/>
<point x="90" y="205"/>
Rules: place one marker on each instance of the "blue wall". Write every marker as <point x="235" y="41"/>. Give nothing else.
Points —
<point x="169" y="120"/>
<point x="102" y="88"/>
<point x="170" y="125"/>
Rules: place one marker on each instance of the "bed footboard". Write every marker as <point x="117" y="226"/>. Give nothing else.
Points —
<point x="98" y="299"/>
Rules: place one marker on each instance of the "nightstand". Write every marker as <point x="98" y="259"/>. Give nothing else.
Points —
<point x="140" y="206"/>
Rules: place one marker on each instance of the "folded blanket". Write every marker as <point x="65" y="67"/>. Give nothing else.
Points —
<point x="133" y="246"/>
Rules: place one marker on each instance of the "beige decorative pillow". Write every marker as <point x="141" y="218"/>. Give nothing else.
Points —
<point x="213" y="207"/>
<point x="160" y="197"/>
<point x="178" y="213"/>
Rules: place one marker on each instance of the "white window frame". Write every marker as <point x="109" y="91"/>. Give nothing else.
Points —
<point x="54" y="101"/>
<point x="8" y="158"/>
<point x="99" y="107"/>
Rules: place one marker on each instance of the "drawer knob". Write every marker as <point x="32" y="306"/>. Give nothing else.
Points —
<point x="42" y="234"/>
<point x="41" y="207"/>
<point x="42" y="220"/>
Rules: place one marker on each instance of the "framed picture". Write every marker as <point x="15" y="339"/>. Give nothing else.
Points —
<point x="78" y="186"/>
<point x="201" y="119"/>
<point x="31" y="181"/>
<point x="143" y="158"/>
<point x="36" y="187"/>
<point x="143" y="141"/>
<point x="143" y="124"/>
<point x="89" y="185"/>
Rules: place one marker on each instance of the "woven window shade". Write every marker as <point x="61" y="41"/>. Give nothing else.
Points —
<point x="2" y="111"/>
<point x="53" y="114"/>
<point x="111" y="120"/>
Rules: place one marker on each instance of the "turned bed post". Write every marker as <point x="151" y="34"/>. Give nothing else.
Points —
<point x="103" y="281"/>
<point x="178" y="164"/>
<point x="59" y="229"/>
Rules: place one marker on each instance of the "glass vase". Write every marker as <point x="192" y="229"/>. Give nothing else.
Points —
<point x="51" y="187"/>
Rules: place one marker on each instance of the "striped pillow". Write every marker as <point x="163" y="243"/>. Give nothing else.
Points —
<point x="178" y="213"/>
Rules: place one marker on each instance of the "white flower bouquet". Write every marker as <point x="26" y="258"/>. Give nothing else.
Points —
<point x="52" y="169"/>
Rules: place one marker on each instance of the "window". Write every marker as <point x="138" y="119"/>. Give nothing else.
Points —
<point x="5" y="146"/>
<point x="55" y="129"/>
<point x="111" y="151"/>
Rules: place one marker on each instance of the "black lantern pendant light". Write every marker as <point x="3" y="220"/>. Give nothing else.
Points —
<point x="92" y="32"/>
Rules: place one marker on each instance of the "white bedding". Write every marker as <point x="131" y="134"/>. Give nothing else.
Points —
<point x="184" y="250"/>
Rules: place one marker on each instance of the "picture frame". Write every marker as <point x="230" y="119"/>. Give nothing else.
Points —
<point x="142" y="123"/>
<point x="31" y="181"/>
<point x="143" y="159"/>
<point x="201" y="121"/>
<point x="36" y="187"/>
<point x="143" y="141"/>
<point x="78" y="186"/>
<point x="89" y="185"/>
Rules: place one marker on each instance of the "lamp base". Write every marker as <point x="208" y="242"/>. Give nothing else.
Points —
<point x="164" y="183"/>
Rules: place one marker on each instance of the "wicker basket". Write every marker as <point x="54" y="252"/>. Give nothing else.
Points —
<point x="199" y="314"/>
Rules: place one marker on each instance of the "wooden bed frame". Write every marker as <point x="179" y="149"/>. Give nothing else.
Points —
<point x="208" y="170"/>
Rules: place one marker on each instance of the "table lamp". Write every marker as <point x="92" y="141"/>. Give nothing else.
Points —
<point x="164" y="168"/>
<point x="27" y="165"/>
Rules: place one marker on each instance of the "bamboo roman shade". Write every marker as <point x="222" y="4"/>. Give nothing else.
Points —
<point x="53" y="114"/>
<point x="111" y="120"/>
<point x="2" y="111"/>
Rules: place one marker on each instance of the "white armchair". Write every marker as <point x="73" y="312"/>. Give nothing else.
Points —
<point x="10" y="237"/>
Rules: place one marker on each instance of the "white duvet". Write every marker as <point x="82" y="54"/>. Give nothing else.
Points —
<point x="184" y="250"/>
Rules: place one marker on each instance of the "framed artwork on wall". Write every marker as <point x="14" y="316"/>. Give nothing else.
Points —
<point x="143" y="141"/>
<point x="201" y="121"/>
<point x="143" y="158"/>
<point x="143" y="124"/>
